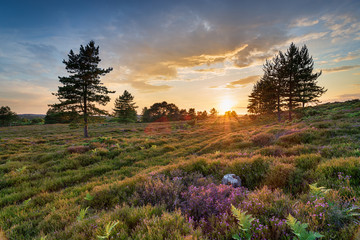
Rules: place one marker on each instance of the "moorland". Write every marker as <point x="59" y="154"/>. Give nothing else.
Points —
<point x="163" y="180"/>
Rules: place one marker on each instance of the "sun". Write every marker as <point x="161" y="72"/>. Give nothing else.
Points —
<point x="226" y="105"/>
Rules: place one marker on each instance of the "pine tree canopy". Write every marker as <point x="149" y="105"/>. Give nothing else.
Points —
<point x="288" y="82"/>
<point x="82" y="91"/>
<point x="124" y="109"/>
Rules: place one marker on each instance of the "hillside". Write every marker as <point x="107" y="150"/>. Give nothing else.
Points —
<point x="163" y="180"/>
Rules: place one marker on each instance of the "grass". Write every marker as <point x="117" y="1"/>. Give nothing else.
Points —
<point x="58" y="185"/>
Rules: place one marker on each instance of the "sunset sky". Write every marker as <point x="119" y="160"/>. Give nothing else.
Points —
<point x="200" y="54"/>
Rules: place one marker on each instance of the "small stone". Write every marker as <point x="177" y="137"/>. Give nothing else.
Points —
<point x="231" y="179"/>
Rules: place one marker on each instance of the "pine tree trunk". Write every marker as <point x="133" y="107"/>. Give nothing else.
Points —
<point x="85" y="114"/>
<point x="278" y="108"/>
<point x="290" y="99"/>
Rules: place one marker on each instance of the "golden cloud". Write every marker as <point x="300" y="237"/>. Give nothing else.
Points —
<point x="340" y="69"/>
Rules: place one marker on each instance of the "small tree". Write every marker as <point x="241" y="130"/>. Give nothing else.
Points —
<point x="124" y="109"/>
<point x="213" y="112"/>
<point x="6" y="116"/>
<point x="82" y="89"/>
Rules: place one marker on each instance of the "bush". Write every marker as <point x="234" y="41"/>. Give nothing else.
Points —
<point x="328" y="171"/>
<point x="307" y="161"/>
<point x="296" y="138"/>
<point x="204" y="201"/>
<point x="209" y="208"/>
<point x="251" y="171"/>
<point x="262" y="139"/>
<point x="78" y="149"/>
<point x="159" y="190"/>
<point x="278" y="176"/>
<point x="265" y="203"/>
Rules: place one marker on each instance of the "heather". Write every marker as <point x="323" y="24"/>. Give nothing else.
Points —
<point x="163" y="180"/>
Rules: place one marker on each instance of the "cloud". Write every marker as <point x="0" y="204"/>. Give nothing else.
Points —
<point x="349" y="96"/>
<point x="304" y="22"/>
<point x="340" y="69"/>
<point x="342" y="26"/>
<point x="243" y="82"/>
<point x="348" y="57"/>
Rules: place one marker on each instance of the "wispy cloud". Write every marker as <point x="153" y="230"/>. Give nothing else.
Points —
<point x="243" y="82"/>
<point x="340" y="69"/>
<point x="348" y="57"/>
<point x="304" y="22"/>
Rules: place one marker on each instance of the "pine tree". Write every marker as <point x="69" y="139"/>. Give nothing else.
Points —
<point x="308" y="91"/>
<point x="290" y="64"/>
<point x="124" y="109"/>
<point x="82" y="89"/>
<point x="288" y="81"/>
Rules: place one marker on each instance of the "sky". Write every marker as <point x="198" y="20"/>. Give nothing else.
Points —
<point x="199" y="53"/>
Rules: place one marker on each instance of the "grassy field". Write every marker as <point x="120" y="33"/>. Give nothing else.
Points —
<point x="162" y="180"/>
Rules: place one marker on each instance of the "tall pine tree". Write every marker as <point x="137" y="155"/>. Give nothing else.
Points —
<point x="288" y="82"/>
<point x="82" y="89"/>
<point x="124" y="109"/>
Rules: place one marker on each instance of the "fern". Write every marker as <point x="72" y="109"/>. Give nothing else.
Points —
<point x="299" y="229"/>
<point x="108" y="228"/>
<point x="82" y="214"/>
<point x="244" y="222"/>
<point x="318" y="191"/>
<point x="88" y="197"/>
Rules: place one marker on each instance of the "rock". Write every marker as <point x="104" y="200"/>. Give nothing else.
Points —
<point x="231" y="179"/>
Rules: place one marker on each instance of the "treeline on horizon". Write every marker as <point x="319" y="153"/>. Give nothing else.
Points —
<point x="287" y="83"/>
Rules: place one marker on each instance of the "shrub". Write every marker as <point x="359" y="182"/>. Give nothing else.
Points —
<point x="329" y="170"/>
<point x="159" y="190"/>
<point x="204" y="201"/>
<point x="307" y="161"/>
<point x="251" y="171"/>
<point x="274" y="151"/>
<point x="296" y="137"/>
<point x="78" y="149"/>
<point x="265" y="203"/>
<point x="278" y="176"/>
<point x="262" y="139"/>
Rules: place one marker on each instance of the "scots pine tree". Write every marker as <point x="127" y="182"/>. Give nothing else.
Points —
<point x="308" y="90"/>
<point x="82" y="91"/>
<point x="124" y="109"/>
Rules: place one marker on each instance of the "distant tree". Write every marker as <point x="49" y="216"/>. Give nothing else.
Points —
<point x="183" y="115"/>
<point x="125" y="109"/>
<point x="233" y="114"/>
<point x="213" y="112"/>
<point x="54" y="115"/>
<point x="201" y="115"/>
<point x="145" y="115"/>
<point x="7" y="116"/>
<point x="161" y="112"/>
<point x="82" y="89"/>
<point x="192" y="113"/>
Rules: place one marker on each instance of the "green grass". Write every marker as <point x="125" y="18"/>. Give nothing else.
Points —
<point x="44" y="185"/>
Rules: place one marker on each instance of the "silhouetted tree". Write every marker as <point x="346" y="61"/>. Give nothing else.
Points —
<point x="192" y="113"/>
<point x="82" y="89"/>
<point x="288" y="80"/>
<point x="7" y="116"/>
<point x="145" y="115"/>
<point x="161" y="112"/>
<point x="124" y="109"/>
<point x="308" y="90"/>
<point x="213" y="112"/>
<point x="184" y="115"/>
<point x="54" y="115"/>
